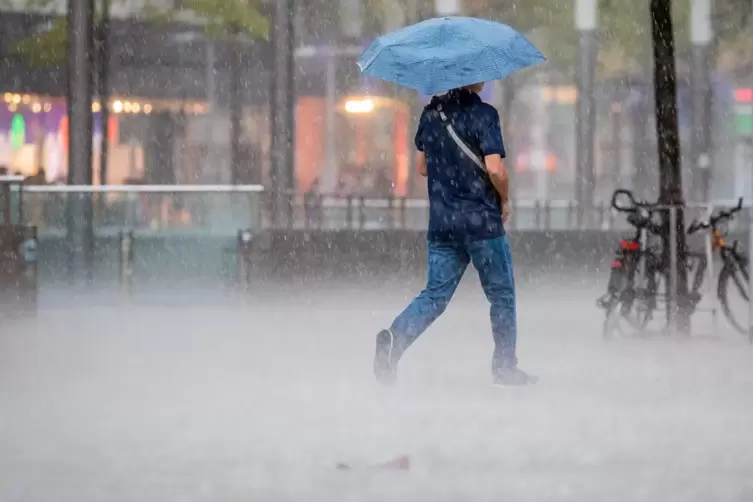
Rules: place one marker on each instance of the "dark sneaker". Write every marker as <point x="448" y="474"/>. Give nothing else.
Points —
<point x="385" y="367"/>
<point x="513" y="377"/>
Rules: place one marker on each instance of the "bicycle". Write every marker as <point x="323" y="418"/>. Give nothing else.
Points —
<point x="631" y="292"/>
<point x="734" y="265"/>
<point x="637" y="295"/>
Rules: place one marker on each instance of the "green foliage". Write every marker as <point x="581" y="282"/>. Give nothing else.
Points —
<point x="624" y="29"/>
<point x="221" y="19"/>
<point x="47" y="48"/>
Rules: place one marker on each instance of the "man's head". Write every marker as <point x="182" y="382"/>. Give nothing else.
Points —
<point x="477" y="88"/>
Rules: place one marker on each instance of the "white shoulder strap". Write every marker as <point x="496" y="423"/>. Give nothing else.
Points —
<point x="461" y="144"/>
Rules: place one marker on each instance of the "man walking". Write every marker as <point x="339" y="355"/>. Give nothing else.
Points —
<point x="459" y="140"/>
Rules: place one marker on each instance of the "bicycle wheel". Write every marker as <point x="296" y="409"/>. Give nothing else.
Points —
<point x="733" y="292"/>
<point x="628" y="308"/>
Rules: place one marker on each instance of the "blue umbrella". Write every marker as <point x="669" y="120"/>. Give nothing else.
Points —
<point x="440" y="54"/>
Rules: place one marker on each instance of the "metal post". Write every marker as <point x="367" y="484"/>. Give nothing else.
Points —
<point x="126" y="260"/>
<point x="79" y="209"/>
<point x="447" y="7"/>
<point x="644" y="247"/>
<point x="710" y="276"/>
<point x="540" y="142"/>
<point x="701" y="34"/>
<point x="236" y="112"/>
<point x="750" y="236"/>
<point x="211" y="116"/>
<point x="672" y="283"/>
<point x="104" y="89"/>
<point x="329" y="181"/>
<point x="750" y="276"/>
<point x="586" y="20"/>
<point x="243" y="259"/>
<point x="283" y="105"/>
<point x="617" y="135"/>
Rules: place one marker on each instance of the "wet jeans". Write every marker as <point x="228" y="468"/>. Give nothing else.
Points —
<point x="447" y="263"/>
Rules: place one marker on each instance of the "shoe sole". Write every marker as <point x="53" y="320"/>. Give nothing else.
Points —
<point x="385" y="345"/>
<point x="532" y="381"/>
<point x="383" y="359"/>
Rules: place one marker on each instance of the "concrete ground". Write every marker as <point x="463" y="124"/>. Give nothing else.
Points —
<point x="187" y="396"/>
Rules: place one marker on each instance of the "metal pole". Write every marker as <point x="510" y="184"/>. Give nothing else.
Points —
<point x="539" y="139"/>
<point x="672" y="283"/>
<point x="750" y="276"/>
<point x="79" y="207"/>
<point x="212" y="105"/>
<point x="126" y="260"/>
<point x="447" y="7"/>
<point x="283" y="105"/>
<point x="710" y="276"/>
<point x="701" y="34"/>
<point x="329" y="180"/>
<point x="644" y="247"/>
<point x="236" y="112"/>
<point x="104" y="89"/>
<point x="750" y="219"/>
<point x="586" y="21"/>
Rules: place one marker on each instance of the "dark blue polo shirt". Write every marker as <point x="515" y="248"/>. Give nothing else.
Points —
<point x="463" y="204"/>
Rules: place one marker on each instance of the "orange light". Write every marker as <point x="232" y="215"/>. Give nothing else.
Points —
<point x="718" y="240"/>
<point x="64" y="132"/>
<point x="629" y="245"/>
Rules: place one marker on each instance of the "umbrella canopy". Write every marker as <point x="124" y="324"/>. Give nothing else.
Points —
<point x="440" y="54"/>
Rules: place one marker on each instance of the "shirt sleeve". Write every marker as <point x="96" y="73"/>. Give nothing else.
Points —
<point x="418" y="140"/>
<point x="490" y="134"/>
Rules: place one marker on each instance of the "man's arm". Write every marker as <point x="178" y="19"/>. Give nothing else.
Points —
<point x="490" y="136"/>
<point x="498" y="174"/>
<point x="501" y="181"/>
<point x="421" y="163"/>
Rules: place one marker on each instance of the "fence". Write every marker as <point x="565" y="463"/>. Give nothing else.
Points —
<point x="156" y="209"/>
<point x="223" y="209"/>
<point x="329" y="212"/>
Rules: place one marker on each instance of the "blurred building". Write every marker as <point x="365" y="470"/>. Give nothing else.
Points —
<point x="170" y="101"/>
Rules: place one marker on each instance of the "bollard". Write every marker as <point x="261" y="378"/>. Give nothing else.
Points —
<point x="349" y="212"/>
<point x="307" y="210"/>
<point x="243" y="259"/>
<point x="361" y="212"/>
<point x="126" y="260"/>
<point x="391" y="212"/>
<point x="18" y="270"/>
<point x="403" y="215"/>
<point x="537" y="213"/>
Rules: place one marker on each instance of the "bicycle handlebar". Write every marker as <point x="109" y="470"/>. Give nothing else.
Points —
<point x="635" y="204"/>
<point x="715" y="220"/>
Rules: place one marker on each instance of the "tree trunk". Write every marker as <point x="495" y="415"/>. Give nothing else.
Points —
<point x="104" y="91"/>
<point x="670" y="175"/>
<point x="236" y="110"/>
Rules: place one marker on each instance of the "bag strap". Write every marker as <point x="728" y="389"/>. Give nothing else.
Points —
<point x="461" y="144"/>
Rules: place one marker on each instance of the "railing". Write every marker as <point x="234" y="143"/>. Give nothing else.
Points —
<point x="327" y="212"/>
<point x="224" y="209"/>
<point x="181" y="209"/>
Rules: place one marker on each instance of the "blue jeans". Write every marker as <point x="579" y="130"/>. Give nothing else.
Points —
<point x="447" y="263"/>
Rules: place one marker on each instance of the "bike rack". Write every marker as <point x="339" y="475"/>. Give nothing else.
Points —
<point x="710" y="293"/>
<point x="710" y="277"/>
<point x="750" y="276"/>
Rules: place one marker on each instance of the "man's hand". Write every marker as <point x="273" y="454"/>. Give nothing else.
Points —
<point x="505" y="211"/>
